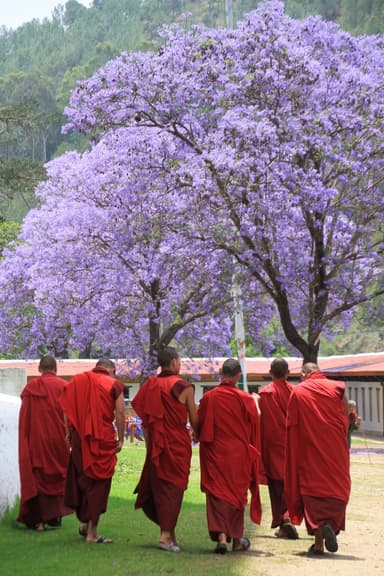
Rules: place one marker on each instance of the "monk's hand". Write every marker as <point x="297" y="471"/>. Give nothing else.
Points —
<point x="119" y="445"/>
<point x="256" y="398"/>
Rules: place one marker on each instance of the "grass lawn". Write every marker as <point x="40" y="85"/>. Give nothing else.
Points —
<point x="62" y="552"/>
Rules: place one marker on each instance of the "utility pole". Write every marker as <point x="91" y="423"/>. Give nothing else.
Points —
<point x="239" y="331"/>
<point x="229" y="13"/>
<point x="236" y="290"/>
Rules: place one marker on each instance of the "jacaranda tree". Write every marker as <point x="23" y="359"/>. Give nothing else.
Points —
<point x="259" y="148"/>
<point x="104" y="267"/>
<point x="279" y="126"/>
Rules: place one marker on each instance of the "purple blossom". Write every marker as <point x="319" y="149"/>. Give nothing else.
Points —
<point x="261" y="145"/>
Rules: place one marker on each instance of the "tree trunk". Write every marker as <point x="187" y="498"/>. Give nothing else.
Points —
<point x="308" y="350"/>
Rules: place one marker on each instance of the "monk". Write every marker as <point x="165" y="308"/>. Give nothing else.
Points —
<point x="317" y="479"/>
<point x="91" y="402"/>
<point x="165" y="403"/>
<point x="273" y="407"/>
<point x="354" y="421"/>
<point x="229" y="459"/>
<point x="43" y="451"/>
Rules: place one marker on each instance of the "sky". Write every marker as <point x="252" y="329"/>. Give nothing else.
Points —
<point x="14" y="13"/>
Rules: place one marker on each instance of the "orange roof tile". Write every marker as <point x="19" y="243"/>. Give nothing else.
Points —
<point x="208" y="369"/>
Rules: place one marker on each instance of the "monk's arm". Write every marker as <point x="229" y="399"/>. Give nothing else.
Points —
<point x="256" y="398"/>
<point x="120" y="421"/>
<point x="189" y="397"/>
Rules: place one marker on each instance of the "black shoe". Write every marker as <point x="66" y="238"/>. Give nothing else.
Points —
<point x="54" y="522"/>
<point x="330" y="540"/>
<point x="220" y="549"/>
<point x="289" y="530"/>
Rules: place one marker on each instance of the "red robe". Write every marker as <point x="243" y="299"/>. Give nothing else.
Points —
<point x="89" y="404"/>
<point x="165" y="419"/>
<point x="230" y="447"/>
<point x="43" y="451"/>
<point x="165" y="474"/>
<point x="273" y="406"/>
<point x="317" y="455"/>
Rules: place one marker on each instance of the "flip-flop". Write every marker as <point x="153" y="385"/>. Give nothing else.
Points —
<point x="100" y="540"/>
<point x="103" y="540"/>
<point x="245" y="544"/>
<point x="83" y="531"/>
<point x="172" y="547"/>
<point x="330" y="538"/>
<point x="289" y="531"/>
<point x="220" y="549"/>
<point x="312" y="551"/>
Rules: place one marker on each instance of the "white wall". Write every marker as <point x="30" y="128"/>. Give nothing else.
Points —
<point x="369" y="397"/>
<point x="12" y="380"/>
<point x="9" y="467"/>
<point x="369" y="403"/>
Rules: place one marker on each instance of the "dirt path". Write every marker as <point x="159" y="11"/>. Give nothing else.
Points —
<point x="361" y="549"/>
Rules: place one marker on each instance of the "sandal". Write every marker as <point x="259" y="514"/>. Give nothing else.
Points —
<point x="330" y="538"/>
<point x="288" y="531"/>
<point x="312" y="551"/>
<point x="54" y="522"/>
<point x="244" y="545"/>
<point x="171" y="547"/>
<point x="103" y="540"/>
<point x="220" y="549"/>
<point x="100" y="540"/>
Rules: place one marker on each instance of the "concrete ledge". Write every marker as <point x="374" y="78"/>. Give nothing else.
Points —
<point x="9" y="468"/>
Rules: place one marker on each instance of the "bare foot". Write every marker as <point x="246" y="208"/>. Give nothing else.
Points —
<point x="39" y="527"/>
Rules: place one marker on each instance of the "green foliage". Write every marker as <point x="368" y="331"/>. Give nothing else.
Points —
<point x="356" y="16"/>
<point x="74" y="11"/>
<point x="24" y="133"/>
<point x="18" y="179"/>
<point x="366" y="333"/>
<point x="8" y="233"/>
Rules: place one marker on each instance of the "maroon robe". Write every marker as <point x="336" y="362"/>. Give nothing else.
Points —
<point x="165" y="474"/>
<point x="317" y="481"/>
<point x="43" y="451"/>
<point x="229" y="458"/>
<point x="273" y="405"/>
<point x="89" y="404"/>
